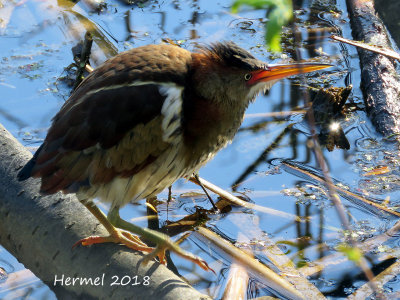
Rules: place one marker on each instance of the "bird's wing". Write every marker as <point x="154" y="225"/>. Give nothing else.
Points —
<point x="111" y="132"/>
<point x="118" y="120"/>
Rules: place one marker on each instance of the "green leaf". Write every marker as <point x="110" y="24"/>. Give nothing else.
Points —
<point x="256" y="4"/>
<point x="353" y="253"/>
<point x="280" y="13"/>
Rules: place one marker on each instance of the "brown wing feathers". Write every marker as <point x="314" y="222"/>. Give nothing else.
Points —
<point x="103" y="130"/>
<point x="103" y="125"/>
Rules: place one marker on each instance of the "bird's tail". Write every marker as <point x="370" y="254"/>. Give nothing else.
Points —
<point x="26" y="171"/>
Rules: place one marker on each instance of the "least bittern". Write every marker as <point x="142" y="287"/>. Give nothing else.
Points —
<point x="144" y="119"/>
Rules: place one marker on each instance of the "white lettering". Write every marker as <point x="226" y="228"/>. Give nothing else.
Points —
<point x="61" y="280"/>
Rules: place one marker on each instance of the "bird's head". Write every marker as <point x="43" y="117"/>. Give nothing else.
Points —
<point x="225" y="72"/>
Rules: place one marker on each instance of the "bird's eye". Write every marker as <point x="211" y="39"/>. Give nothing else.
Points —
<point x="247" y="76"/>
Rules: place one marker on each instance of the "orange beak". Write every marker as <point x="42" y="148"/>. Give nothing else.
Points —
<point x="276" y="72"/>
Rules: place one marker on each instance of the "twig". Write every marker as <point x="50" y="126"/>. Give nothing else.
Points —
<point x="380" y="50"/>
<point x="235" y="200"/>
<point x="271" y="251"/>
<point x="196" y="176"/>
<point x="238" y="279"/>
<point x="282" y="262"/>
<point x="256" y="268"/>
<point x="275" y="114"/>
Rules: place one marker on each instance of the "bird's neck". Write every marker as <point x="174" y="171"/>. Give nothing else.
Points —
<point x="211" y="116"/>
<point x="208" y="125"/>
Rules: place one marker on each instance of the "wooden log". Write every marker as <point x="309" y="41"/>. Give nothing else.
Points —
<point x="379" y="81"/>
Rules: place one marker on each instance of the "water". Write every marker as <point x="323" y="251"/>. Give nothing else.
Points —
<point x="36" y="49"/>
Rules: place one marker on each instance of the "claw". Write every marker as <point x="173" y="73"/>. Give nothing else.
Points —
<point x="197" y="260"/>
<point x="167" y="244"/>
<point x="91" y="240"/>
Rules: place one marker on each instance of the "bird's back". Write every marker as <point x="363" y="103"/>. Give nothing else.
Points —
<point x="112" y="125"/>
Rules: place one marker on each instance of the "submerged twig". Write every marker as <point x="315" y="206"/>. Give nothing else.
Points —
<point x="339" y="257"/>
<point x="382" y="278"/>
<point x="271" y="251"/>
<point x="238" y="279"/>
<point x="285" y="265"/>
<point x="342" y="190"/>
<point x="256" y="268"/>
<point x="262" y="156"/>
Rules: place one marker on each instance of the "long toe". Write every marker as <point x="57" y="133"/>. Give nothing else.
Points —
<point x="167" y="244"/>
<point x="91" y="240"/>
<point x="119" y="237"/>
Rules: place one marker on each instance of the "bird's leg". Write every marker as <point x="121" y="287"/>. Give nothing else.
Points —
<point x="162" y="241"/>
<point x="196" y="176"/>
<point x="169" y="194"/>
<point x="116" y="235"/>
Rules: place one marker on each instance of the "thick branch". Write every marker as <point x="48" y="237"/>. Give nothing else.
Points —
<point x="379" y="81"/>
<point x="40" y="231"/>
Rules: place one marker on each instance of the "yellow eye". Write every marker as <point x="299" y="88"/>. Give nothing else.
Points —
<point x="247" y="76"/>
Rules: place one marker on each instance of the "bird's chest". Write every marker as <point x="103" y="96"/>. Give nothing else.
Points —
<point x="208" y="127"/>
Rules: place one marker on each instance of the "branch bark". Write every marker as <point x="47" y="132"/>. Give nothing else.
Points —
<point x="379" y="81"/>
<point x="40" y="230"/>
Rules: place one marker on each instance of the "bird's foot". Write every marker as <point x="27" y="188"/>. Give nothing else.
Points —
<point x="118" y="236"/>
<point x="165" y="243"/>
<point x="134" y="242"/>
<point x="162" y="240"/>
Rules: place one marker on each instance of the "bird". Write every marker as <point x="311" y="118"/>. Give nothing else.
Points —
<point x="143" y="119"/>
